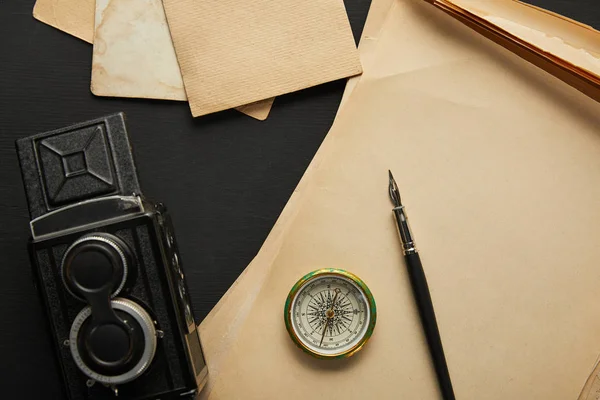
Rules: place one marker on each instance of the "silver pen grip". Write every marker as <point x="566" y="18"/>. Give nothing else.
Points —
<point x="408" y="243"/>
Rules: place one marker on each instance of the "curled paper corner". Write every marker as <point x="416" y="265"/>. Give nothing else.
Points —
<point x="591" y="389"/>
<point x="561" y="46"/>
<point x="549" y="43"/>
<point x="75" y="17"/>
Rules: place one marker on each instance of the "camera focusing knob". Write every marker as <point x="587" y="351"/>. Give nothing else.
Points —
<point x="96" y="262"/>
<point x="113" y="353"/>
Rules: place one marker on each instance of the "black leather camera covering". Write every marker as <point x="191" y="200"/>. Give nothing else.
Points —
<point x="84" y="161"/>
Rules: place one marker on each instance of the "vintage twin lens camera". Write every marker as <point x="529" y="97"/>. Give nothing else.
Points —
<point x="107" y="268"/>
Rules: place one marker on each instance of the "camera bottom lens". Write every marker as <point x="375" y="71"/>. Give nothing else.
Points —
<point x="110" y="343"/>
<point x="111" y="353"/>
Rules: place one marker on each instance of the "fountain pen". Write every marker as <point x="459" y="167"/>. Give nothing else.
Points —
<point x="421" y="293"/>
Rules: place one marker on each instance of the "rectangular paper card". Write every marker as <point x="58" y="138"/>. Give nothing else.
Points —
<point x="498" y="164"/>
<point x="135" y="56"/>
<point x="233" y="52"/>
<point x="133" y="52"/>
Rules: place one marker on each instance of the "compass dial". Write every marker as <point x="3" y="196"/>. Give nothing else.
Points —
<point x="330" y="313"/>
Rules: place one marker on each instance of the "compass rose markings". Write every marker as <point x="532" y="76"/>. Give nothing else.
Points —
<point x="325" y="316"/>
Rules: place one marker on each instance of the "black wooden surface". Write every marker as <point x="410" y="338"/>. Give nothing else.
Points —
<point x="225" y="177"/>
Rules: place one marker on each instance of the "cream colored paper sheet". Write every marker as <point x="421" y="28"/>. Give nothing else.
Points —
<point x="498" y="163"/>
<point x="136" y="57"/>
<point x="233" y="53"/>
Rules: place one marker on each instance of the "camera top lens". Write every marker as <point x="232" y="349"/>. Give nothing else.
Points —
<point x="94" y="262"/>
<point x="92" y="267"/>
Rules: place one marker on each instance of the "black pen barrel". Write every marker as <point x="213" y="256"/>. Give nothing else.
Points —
<point x="429" y="322"/>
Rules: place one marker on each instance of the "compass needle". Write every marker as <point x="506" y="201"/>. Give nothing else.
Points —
<point x="323" y="335"/>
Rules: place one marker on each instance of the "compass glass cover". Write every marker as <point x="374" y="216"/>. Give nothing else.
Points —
<point x="330" y="315"/>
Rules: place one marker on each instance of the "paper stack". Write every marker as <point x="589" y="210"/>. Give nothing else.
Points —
<point x="498" y="162"/>
<point x="561" y="46"/>
<point x="214" y="54"/>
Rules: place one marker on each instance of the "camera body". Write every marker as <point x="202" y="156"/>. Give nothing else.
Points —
<point x="107" y="268"/>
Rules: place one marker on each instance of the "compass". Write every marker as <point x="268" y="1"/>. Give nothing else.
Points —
<point x="330" y="313"/>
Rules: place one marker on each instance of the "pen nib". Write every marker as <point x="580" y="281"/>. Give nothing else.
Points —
<point x="394" y="192"/>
